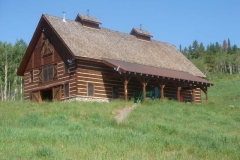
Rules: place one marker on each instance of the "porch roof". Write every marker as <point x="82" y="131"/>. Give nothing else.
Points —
<point x="124" y="67"/>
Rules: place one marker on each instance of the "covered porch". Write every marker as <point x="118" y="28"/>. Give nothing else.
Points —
<point x="181" y="86"/>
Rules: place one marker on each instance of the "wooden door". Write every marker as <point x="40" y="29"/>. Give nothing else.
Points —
<point x="57" y="93"/>
<point x="36" y="96"/>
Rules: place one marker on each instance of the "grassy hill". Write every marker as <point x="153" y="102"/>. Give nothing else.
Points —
<point x="154" y="130"/>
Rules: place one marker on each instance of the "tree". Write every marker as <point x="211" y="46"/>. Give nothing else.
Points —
<point x="201" y="49"/>
<point x="195" y="53"/>
<point x="234" y="49"/>
<point x="180" y="48"/>
<point x="10" y="58"/>
<point x="218" y="47"/>
<point x="224" y="46"/>
<point x="229" y="49"/>
<point x="210" y="61"/>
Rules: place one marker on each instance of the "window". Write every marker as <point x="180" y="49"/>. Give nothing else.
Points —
<point x="90" y="89"/>
<point x="47" y="73"/>
<point x="31" y="76"/>
<point x="66" y="90"/>
<point x="66" y="69"/>
<point x="115" y="92"/>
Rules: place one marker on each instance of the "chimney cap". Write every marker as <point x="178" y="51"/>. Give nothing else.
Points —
<point x="64" y="20"/>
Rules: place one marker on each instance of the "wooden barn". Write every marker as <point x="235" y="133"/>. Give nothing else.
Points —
<point x="79" y="60"/>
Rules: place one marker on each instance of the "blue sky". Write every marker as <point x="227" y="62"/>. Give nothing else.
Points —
<point x="172" y="21"/>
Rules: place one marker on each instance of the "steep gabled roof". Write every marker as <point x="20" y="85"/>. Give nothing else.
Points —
<point x="105" y="43"/>
<point x="102" y="43"/>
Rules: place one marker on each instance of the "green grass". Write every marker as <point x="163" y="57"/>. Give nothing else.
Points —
<point x="154" y="130"/>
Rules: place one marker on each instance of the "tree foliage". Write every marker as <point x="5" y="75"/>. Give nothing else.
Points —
<point x="215" y="58"/>
<point x="10" y="58"/>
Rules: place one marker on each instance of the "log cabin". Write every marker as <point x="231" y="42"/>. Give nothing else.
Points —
<point x="79" y="60"/>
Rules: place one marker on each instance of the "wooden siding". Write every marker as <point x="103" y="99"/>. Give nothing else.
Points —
<point x="96" y="73"/>
<point x="59" y="55"/>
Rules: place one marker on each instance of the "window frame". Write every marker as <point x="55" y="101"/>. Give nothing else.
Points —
<point x="88" y="91"/>
<point x="48" y="73"/>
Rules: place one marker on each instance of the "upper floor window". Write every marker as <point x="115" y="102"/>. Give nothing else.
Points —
<point x="48" y="73"/>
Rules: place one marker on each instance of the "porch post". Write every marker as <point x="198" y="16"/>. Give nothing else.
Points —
<point x="125" y="88"/>
<point x="162" y="91"/>
<point x="144" y="89"/>
<point x="178" y="94"/>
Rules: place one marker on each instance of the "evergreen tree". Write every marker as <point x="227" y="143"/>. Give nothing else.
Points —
<point x="234" y="49"/>
<point x="180" y="48"/>
<point x="229" y="47"/>
<point x="195" y="52"/>
<point x="201" y="49"/>
<point x="210" y="61"/>
<point x="218" y="47"/>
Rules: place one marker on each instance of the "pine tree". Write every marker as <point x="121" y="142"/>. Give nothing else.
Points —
<point x="229" y="47"/>
<point x="210" y="61"/>
<point x="201" y="48"/>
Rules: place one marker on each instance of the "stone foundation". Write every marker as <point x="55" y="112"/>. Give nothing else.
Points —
<point x="87" y="99"/>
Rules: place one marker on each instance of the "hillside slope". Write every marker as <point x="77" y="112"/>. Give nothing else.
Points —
<point x="154" y="130"/>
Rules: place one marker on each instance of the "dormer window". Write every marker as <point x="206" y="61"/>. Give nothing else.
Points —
<point x="88" y="21"/>
<point x="141" y="34"/>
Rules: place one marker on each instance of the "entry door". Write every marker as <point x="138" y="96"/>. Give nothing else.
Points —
<point x="57" y="93"/>
<point x="36" y="96"/>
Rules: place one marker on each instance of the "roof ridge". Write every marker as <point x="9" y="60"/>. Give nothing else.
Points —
<point x="104" y="42"/>
<point x="154" y="40"/>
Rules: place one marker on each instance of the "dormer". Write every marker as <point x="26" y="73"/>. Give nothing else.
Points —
<point x="141" y="34"/>
<point x="88" y="21"/>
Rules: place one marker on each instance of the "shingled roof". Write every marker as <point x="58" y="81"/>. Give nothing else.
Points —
<point x="100" y="43"/>
<point x="104" y="43"/>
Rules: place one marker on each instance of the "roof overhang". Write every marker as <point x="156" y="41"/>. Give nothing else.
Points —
<point x="124" y="67"/>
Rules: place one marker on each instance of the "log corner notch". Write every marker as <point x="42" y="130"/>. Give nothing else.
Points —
<point x="202" y="87"/>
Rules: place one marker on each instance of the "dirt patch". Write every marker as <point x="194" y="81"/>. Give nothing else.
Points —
<point x="123" y="113"/>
